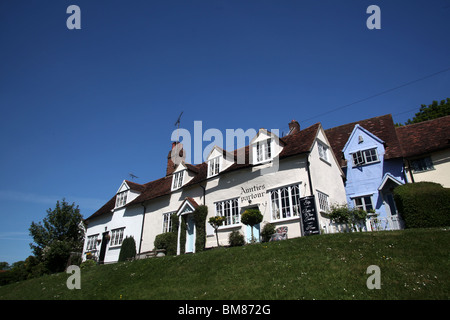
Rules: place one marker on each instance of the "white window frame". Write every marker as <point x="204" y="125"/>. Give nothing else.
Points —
<point x="214" y="166"/>
<point x="363" y="157"/>
<point x="121" y="199"/>
<point x="230" y="210"/>
<point x="178" y="179"/>
<point x="323" y="151"/>
<point x="167" y="222"/>
<point x="91" y="243"/>
<point x="263" y="151"/>
<point x="324" y="201"/>
<point x="117" y="236"/>
<point x="364" y="203"/>
<point x="285" y="202"/>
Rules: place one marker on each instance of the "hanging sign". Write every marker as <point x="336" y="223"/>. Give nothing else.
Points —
<point x="310" y="221"/>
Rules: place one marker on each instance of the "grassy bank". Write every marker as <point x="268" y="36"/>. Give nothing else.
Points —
<point x="414" y="264"/>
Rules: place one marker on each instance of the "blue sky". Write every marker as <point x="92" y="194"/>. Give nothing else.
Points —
<point x="81" y="109"/>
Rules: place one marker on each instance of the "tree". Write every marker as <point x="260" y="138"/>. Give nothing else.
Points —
<point x="432" y="111"/>
<point x="251" y="217"/>
<point x="216" y="222"/>
<point x="57" y="235"/>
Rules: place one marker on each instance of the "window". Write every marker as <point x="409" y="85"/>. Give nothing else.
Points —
<point x="323" y="151"/>
<point x="177" y="180"/>
<point x="214" y="166"/>
<point x="323" y="202"/>
<point x="285" y="202"/>
<point x="263" y="151"/>
<point x="117" y="236"/>
<point x="167" y="222"/>
<point x="121" y="199"/>
<point x="363" y="203"/>
<point x="228" y="209"/>
<point x="423" y="164"/>
<point x="365" y="157"/>
<point x="92" y="242"/>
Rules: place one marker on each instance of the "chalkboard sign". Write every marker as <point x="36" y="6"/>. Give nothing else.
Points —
<point x="309" y="216"/>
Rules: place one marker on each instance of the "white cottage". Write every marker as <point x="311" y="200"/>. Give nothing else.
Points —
<point x="292" y="180"/>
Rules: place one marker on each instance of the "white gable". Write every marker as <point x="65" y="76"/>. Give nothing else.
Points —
<point x="123" y="187"/>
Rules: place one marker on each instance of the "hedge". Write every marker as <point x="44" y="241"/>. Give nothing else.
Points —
<point x="128" y="249"/>
<point x="423" y="204"/>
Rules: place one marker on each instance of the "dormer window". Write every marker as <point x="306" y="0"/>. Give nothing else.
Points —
<point x="177" y="180"/>
<point x="121" y="199"/>
<point x="263" y="151"/>
<point x="214" y="166"/>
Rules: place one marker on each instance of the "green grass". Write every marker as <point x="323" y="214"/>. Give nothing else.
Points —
<point x="414" y="264"/>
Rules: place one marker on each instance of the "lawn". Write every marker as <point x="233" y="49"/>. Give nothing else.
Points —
<point x="414" y="264"/>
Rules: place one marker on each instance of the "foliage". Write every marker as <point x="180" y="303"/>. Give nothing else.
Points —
<point x="58" y="235"/>
<point x="236" y="239"/>
<point x="267" y="231"/>
<point x="216" y="222"/>
<point x="432" y="111"/>
<point x="251" y="217"/>
<point x="351" y="216"/>
<point x="128" y="249"/>
<point x="168" y="242"/>
<point x="200" y="214"/>
<point x="423" y="204"/>
<point x="88" y="263"/>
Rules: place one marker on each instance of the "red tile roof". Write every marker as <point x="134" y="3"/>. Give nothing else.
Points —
<point x="383" y="127"/>
<point x="425" y="137"/>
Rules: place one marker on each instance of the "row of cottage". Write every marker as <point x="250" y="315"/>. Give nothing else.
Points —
<point x="286" y="178"/>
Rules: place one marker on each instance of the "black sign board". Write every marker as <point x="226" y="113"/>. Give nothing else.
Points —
<point x="310" y="221"/>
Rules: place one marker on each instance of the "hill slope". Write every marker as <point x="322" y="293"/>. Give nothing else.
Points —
<point x="414" y="264"/>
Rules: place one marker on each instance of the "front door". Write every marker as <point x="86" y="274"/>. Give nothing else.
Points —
<point x="190" y="234"/>
<point x="248" y="233"/>
<point x="105" y="239"/>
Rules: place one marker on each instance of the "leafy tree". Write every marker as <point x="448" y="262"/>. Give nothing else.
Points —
<point x="216" y="222"/>
<point x="251" y="217"/>
<point x="432" y="111"/>
<point x="57" y="235"/>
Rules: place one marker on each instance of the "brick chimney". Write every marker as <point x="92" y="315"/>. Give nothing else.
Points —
<point x="294" y="127"/>
<point x="175" y="157"/>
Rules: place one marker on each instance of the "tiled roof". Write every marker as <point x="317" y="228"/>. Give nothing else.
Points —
<point x="294" y="144"/>
<point x="425" y="137"/>
<point x="383" y="127"/>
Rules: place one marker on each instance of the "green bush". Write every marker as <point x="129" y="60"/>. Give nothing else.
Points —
<point x="236" y="239"/>
<point x="423" y="204"/>
<point x="267" y="231"/>
<point x="168" y="242"/>
<point x="128" y="249"/>
<point x="200" y="214"/>
<point x="251" y="217"/>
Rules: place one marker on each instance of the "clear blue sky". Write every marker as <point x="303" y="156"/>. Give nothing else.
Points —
<point x="80" y="109"/>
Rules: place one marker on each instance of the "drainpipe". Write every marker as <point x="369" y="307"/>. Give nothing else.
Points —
<point x="142" y="229"/>
<point x="204" y="194"/>
<point x="410" y="171"/>
<point x="309" y="176"/>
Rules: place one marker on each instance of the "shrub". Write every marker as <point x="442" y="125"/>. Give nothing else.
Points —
<point x="347" y="215"/>
<point x="200" y="214"/>
<point x="168" y="242"/>
<point x="251" y="217"/>
<point x="128" y="249"/>
<point x="423" y="204"/>
<point x="267" y="232"/>
<point x="236" y="239"/>
<point x="216" y="222"/>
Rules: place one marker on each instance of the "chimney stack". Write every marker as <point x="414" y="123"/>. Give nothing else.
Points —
<point x="175" y="157"/>
<point x="294" y="127"/>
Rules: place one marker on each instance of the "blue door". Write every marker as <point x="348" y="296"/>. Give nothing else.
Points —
<point x="190" y="237"/>
<point x="248" y="233"/>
